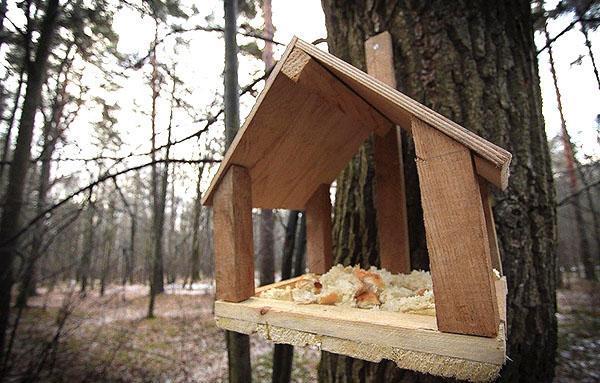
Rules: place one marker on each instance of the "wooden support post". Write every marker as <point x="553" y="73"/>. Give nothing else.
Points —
<point x="459" y="253"/>
<point x="390" y="198"/>
<point x="490" y="225"/>
<point x="234" y="247"/>
<point x="318" y="231"/>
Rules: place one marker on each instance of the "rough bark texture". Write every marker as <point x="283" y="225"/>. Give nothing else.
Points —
<point x="475" y="63"/>
<point x="238" y="345"/>
<point x="283" y="354"/>
<point x="266" y="238"/>
<point x="11" y="216"/>
<point x="266" y="255"/>
<point x="195" y="255"/>
<point x="571" y="164"/>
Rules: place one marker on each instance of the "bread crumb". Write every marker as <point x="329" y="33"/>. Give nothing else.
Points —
<point x="351" y="286"/>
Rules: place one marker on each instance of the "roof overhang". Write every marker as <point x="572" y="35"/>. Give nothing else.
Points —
<point x="311" y="118"/>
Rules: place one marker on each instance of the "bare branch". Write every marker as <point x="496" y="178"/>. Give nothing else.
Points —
<point x="90" y="186"/>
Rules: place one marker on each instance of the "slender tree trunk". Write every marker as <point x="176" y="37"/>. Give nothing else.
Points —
<point x="172" y="254"/>
<point x="88" y="248"/>
<point x="156" y="273"/>
<point x="593" y="209"/>
<point x="266" y="256"/>
<point x="266" y="238"/>
<point x="571" y="163"/>
<point x="133" y="230"/>
<point x="231" y="93"/>
<point x="109" y="240"/>
<point x="195" y="254"/>
<point x="157" y="285"/>
<point x="300" y="248"/>
<point x="283" y="354"/>
<point x="238" y="345"/>
<point x="10" y="124"/>
<point x="51" y="132"/>
<point x="11" y="216"/>
<point x="28" y="287"/>
<point x="475" y="63"/>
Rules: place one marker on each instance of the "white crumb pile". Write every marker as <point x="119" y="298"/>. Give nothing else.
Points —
<point x="375" y="289"/>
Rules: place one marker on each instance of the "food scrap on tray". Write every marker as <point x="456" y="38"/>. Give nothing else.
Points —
<point x="351" y="286"/>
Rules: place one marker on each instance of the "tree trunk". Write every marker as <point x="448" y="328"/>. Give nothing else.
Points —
<point x="156" y="273"/>
<point x="7" y="137"/>
<point x="474" y="63"/>
<point x="109" y="240"/>
<point x="266" y="256"/>
<point x="571" y="163"/>
<point x="88" y="248"/>
<point x="231" y="84"/>
<point x="238" y="345"/>
<point x="195" y="255"/>
<point x="51" y="132"/>
<point x="11" y="216"/>
<point x="300" y="248"/>
<point x="283" y="354"/>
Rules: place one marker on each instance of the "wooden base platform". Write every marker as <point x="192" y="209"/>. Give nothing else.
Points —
<point x="412" y="341"/>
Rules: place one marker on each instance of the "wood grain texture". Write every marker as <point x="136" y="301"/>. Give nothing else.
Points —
<point x="409" y="331"/>
<point x="456" y="234"/>
<point x="310" y="121"/>
<point x="299" y="136"/>
<point x="379" y="334"/>
<point x="232" y="231"/>
<point x="319" y="252"/>
<point x="428" y="363"/>
<point x="490" y="225"/>
<point x="390" y="197"/>
<point x="400" y="108"/>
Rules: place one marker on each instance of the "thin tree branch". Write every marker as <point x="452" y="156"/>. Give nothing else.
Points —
<point x="577" y="193"/>
<point x="198" y="28"/>
<point x="90" y="186"/>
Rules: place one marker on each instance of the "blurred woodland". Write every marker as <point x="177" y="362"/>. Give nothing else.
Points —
<point x="106" y="254"/>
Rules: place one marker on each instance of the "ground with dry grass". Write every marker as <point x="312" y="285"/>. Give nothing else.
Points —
<point x="110" y="339"/>
<point x="64" y="337"/>
<point x="578" y="357"/>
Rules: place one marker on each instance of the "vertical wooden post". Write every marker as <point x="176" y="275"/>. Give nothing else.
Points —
<point x="319" y="254"/>
<point x="234" y="247"/>
<point x="490" y="225"/>
<point x="390" y="198"/>
<point x="459" y="253"/>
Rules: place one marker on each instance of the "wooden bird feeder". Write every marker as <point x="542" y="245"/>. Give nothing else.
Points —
<point x="311" y="118"/>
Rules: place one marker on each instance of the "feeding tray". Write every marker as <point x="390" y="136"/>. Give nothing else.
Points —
<point x="309" y="121"/>
<point x="412" y="341"/>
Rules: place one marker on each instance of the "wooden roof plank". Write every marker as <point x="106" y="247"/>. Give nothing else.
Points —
<point x="361" y="104"/>
<point x="207" y="198"/>
<point x="399" y="108"/>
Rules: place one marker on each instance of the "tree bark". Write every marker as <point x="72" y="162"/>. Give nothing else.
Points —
<point x="231" y="84"/>
<point x="475" y="63"/>
<point x="300" y="248"/>
<point x="238" y="345"/>
<point x="160" y="195"/>
<point x="195" y="255"/>
<point x="571" y="163"/>
<point x="51" y="132"/>
<point x="11" y="216"/>
<point x="283" y="354"/>
<point x="88" y="248"/>
<point x="266" y="256"/>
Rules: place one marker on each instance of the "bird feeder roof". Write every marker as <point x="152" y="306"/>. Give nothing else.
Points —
<point x="311" y="118"/>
